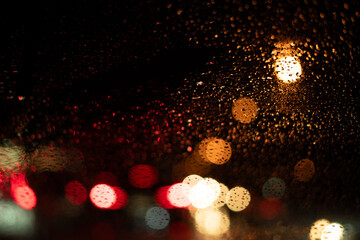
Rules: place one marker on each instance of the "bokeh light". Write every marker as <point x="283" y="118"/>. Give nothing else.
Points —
<point x="157" y="218"/>
<point x="143" y="176"/>
<point x="12" y="158"/>
<point x="317" y="228"/>
<point x="18" y="179"/>
<point x="221" y="200"/>
<point x="333" y="231"/>
<point x="102" y="196"/>
<point x="270" y="208"/>
<point x="288" y="69"/>
<point x="49" y="159"/>
<point x="274" y="188"/>
<point x="3" y="179"/>
<point x="211" y="221"/>
<point x="304" y="170"/>
<point x="161" y="197"/>
<point x="75" y="192"/>
<point x="204" y="193"/>
<point x="121" y="198"/>
<point x="237" y="199"/>
<point x="178" y="195"/>
<point x="349" y="231"/>
<point x="244" y="110"/>
<point x="16" y="221"/>
<point x="137" y="207"/>
<point x="215" y="150"/>
<point x="24" y="196"/>
<point x="192" y="180"/>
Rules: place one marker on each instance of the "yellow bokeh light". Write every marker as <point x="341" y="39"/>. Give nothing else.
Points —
<point x="244" y="110"/>
<point x="288" y="69"/>
<point x="237" y="199"/>
<point x="211" y="221"/>
<point x="333" y="231"/>
<point x="317" y="229"/>
<point x="201" y="196"/>
<point x="221" y="200"/>
<point x="192" y="179"/>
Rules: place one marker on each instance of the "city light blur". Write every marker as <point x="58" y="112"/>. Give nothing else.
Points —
<point x="15" y="221"/>
<point x="212" y="221"/>
<point x="244" y="110"/>
<point x="180" y="120"/>
<point x="288" y="69"/>
<point x="237" y="199"/>
<point x="102" y="196"/>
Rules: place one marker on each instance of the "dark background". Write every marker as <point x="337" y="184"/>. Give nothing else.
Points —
<point x="78" y="62"/>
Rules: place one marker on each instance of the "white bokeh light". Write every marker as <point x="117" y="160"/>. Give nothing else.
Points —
<point x="288" y="69"/>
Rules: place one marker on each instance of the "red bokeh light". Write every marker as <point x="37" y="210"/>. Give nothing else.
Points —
<point x="75" y="192"/>
<point x="178" y="195"/>
<point x="179" y="231"/>
<point x="24" y="196"/>
<point x="102" y="196"/>
<point x="106" y="178"/>
<point x="3" y="179"/>
<point x="161" y="198"/>
<point x="18" y="180"/>
<point x="121" y="198"/>
<point x="143" y="176"/>
<point x="270" y="208"/>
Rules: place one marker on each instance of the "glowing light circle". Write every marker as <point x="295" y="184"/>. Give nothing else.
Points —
<point x="270" y="208"/>
<point x="157" y="218"/>
<point x="75" y="192"/>
<point x="143" y="176"/>
<point x="178" y="195"/>
<point x="192" y="179"/>
<point x="211" y="221"/>
<point x="161" y="197"/>
<point x="24" y="196"/>
<point x="333" y="231"/>
<point x="304" y="170"/>
<point x="274" y="188"/>
<point x="215" y="150"/>
<point x="244" y="110"/>
<point x="288" y="69"/>
<point x="317" y="229"/>
<point x="102" y="196"/>
<point x="202" y="195"/>
<point x="221" y="200"/>
<point x="237" y="199"/>
<point x="15" y="221"/>
<point x="121" y="198"/>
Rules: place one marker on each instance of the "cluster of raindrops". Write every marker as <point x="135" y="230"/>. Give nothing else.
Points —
<point x="277" y="98"/>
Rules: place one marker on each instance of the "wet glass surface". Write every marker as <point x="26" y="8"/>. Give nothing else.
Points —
<point x="180" y="120"/>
